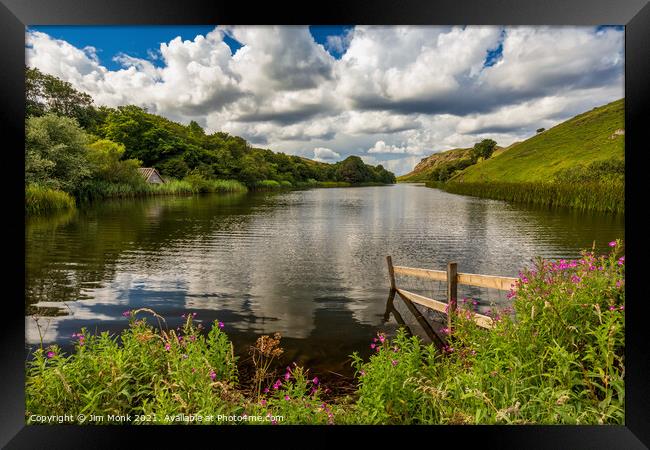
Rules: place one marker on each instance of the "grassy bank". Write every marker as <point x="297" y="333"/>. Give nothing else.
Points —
<point x="556" y="356"/>
<point x="39" y="200"/>
<point x="42" y="200"/>
<point x="589" y="196"/>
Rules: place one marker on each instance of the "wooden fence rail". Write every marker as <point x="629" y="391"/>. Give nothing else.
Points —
<point x="453" y="279"/>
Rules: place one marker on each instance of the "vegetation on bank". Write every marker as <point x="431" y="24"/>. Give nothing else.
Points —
<point x="555" y="356"/>
<point x="93" y="152"/>
<point x="608" y="197"/>
<point x="42" y="200"/>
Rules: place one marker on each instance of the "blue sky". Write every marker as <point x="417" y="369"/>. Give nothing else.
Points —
<point x="391" y="95"/>
<point x="144" y="41"/>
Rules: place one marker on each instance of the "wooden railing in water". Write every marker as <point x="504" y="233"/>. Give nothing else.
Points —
<point x="453" y="279"/>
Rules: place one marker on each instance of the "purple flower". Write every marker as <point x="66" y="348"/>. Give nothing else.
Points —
<point x="213" y="375"/>
<point x="372" y="345"/>
<point x="287" y="398"/>
<point x="362" y="372"/>
<point x="575" y="279"/>
<point x="193" y="314"/>
<point x="126" y="314"/>
<point x="612" y="244"/>
<point x="612" y="308"/>
<point x="220" y="324"/>
<point x="394" y="362"/>
<point x="263" y="402"/>
<point x="167" y="346"/>
<point x="315" y="380"/>
<point x="287" y="376"/>
<point x="51" y="354"/>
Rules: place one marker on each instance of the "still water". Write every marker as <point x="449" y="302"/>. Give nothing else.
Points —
<point x="308" y="264"/>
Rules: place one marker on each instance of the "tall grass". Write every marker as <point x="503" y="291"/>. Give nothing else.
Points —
<point x="592" y="196"/>
<point x="42" y="200"/>
<point x="97" y="189"/>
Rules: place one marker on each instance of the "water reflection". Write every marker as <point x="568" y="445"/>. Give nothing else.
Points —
<point x="309" y="264"/>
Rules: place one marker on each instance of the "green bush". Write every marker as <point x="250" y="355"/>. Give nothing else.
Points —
<point x="42" y="200"/>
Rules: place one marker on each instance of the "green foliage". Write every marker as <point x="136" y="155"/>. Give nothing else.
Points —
<point x="353" y="170"/>
<point x="539" y="130"/>
<point x="606" y="196"/>
<point x="483" y="149"/>
<point x="558" y="358"/>
<point x="141" y="372"/>
<point x="107" y="164"/>
<point x="47" y="94"/>
<point x="609" y="170"/>
<point x="55" y="152"/>
<point x="42" y="200"/>
<point x="445" y="171"/>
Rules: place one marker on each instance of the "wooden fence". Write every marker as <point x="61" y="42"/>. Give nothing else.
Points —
<point x="453" y="279"/>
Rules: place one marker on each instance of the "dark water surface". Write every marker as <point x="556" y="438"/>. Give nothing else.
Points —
<point x="308" y="264"/>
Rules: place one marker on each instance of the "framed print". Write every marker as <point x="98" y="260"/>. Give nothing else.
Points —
<point x="415" y="218"/>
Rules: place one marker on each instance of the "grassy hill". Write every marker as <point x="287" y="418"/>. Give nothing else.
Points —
<point x="584" y="139"/>
<point x="424" y="168"/>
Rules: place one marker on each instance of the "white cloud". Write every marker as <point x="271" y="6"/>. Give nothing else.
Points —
<point x="397" y="92"/>
<point x="325" y="154"/>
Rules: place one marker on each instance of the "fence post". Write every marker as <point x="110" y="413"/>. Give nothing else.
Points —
<point x="452" y="292"/>
<point x="391" y="272"/>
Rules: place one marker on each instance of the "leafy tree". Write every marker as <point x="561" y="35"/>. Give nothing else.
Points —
<point x="539" y="130"/>
<point x="106" y="162"/>
<point x="55" y="152"/>
<point x="483" y="149"/>
<point x="174" y="167"/>
<point x="353" y="170"/>
<point x="48" y="94"/>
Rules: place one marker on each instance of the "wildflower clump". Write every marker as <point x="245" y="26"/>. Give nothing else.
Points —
<point x="555" y="356"/>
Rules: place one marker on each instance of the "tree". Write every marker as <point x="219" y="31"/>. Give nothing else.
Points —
<point x="55" y="152"/>
<point x="539" y="130"/>
<point x="48" y="94"/>
<point x="106" y="163"/>
<point x="483" y="149"/>
<point x="353" y="170"/>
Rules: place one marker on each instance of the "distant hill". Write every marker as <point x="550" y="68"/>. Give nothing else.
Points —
<point x="595" y="135"/>
<point x="424" y="168"/>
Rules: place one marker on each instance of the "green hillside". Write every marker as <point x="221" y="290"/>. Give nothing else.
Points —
<point x="593" y="136"/>
<point x="422" y="171"/>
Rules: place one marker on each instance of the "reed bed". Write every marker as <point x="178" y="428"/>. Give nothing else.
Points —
<point x="608" y="197"/>
<point x="43" y="200"/>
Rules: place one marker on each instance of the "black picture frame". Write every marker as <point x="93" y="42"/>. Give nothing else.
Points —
<point x="633" y="14"/>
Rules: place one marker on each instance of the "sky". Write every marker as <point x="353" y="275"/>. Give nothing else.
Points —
<point x="389" y="94"/>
